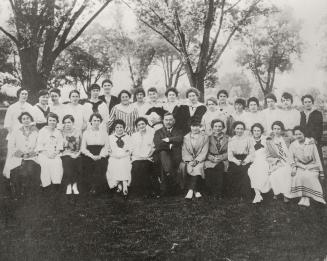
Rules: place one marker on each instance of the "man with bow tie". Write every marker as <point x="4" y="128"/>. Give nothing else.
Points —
<point x="168" y="143"/>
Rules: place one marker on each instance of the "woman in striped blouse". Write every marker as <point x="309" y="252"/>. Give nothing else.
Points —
<point x="124" y="111"/>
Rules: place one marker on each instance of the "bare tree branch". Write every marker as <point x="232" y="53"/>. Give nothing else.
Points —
<point x="13" y="38"/>
<point x="74" y="38"/>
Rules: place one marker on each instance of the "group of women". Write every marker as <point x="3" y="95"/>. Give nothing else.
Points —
<point x="109" y="142"/>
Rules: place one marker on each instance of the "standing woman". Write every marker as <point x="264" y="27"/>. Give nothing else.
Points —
<point x="216" y="164"/>
<point x="194" y="152"/>
<point x="211" y="114"/>
<point x="11" y="121"/>
<point x="280" y="162"/>
<point x="240" y="156"/>
<point x="253" y="115"/>
<point x="21" y="162"/>
<point x="141" y="106"/>
<point x="142" y="148"/>
<point x="94" y="151"/>
<point x="76" y="110"/>
<point x="172" y="100"/>
<point x="96" y="105"/>
<point x="312" y="122"/>
<point x="42" y="109"/>
<point x="124" y="111"/>
<point x="305" y="183"/>
<point x="223" y="105"/>
<point x="259" y="170"/>
<point x="156" y="111"/>
<point x="240" y="114"/>
<point x="194" y="109"/>
<point x="70" y="155"/>
<point x="119" y="165"/>
<point x="49" y="146"/>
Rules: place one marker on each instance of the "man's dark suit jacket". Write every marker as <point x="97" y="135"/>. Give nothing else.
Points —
<point x="175" y="139"/>
<point x="314" y="127"/>
<point x="113" y="101"/>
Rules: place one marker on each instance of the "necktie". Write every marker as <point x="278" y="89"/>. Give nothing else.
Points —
<point x="120" y="142"/>
<point x="258" y="145"/>
<point x="281" y="151"/>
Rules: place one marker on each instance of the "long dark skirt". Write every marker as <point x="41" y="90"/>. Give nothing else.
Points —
<point x="72" y="168"/>
<point x="214" y="179"/>
<point x="239" y="184"/>
<point x="25" y="179"/>
<point x="193" y="182"/>
<point x="143" y="180"/>
<point x="94" y="172"/>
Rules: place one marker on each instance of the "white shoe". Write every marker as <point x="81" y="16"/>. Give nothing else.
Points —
<point x="198" y="194"/>
<point x="69" y="190"/>
<point x="75" y="190"/>
<point x="189" y="194"/>
<point x="301" y="202"/>
<point x="257" y="199"/>
<point x="306" y="202"/>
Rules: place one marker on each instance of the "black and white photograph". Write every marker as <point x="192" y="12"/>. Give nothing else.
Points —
<point x="163" y="130"/>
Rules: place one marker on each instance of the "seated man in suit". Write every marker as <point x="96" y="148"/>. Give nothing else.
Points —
<point x="168" y="142"/>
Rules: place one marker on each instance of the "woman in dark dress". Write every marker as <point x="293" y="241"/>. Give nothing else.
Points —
<point x="240" y="155"/>
<point x="312" y="122"/>
<point x="216" y="163"/>
<point x="194" y="109"/>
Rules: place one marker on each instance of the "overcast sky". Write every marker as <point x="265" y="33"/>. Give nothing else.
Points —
<point x="305" y="74"/>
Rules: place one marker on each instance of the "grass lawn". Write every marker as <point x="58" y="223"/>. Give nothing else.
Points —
<point x="106" y="228"/>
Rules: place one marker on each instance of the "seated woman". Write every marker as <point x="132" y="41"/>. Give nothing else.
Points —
<point x="259" y="170"/>
<point x="216" y="163"/>
<point x="71" y="154"/>
<point x="240" y="156"/>
<point x="94" y="151"/>
<point x="280" y="162"/>
<point x="22" y="167"/>
<point x="119" y="164"/>
<point x="305" y="183"/>
<point x="49" y="146"/>
<point x="142" y="148"/>
<point x="194" y="152"/>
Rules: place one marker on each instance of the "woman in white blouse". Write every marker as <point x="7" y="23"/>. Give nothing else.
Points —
<point x="49" y="146"/>
<point x="96" y="105"/>
<point x="140" y="105"/>
<point x="76" y="110"/>
<point x="21" y="162"/>
<point x="119" y="164"/>
<point x="94" y="151"/>
<point x="253" y="115"/>
<point x="212" y="114"/>
<point x="172" y="100"/>
<point x="142" y="148"/>
<point x="280" y="162"/>
<point x="11" y="121"/>
<point x="240" y="156"/>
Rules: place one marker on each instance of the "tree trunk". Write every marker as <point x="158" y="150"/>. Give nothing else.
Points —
<point x="31" y="78"/>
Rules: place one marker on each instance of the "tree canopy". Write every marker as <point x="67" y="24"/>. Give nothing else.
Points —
<point x="269" y="45"/>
